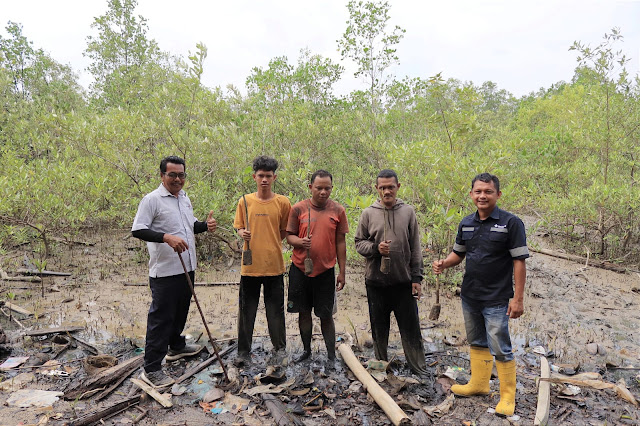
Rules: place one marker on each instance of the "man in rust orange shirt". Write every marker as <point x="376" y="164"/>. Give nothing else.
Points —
<point x="317" y="228"/>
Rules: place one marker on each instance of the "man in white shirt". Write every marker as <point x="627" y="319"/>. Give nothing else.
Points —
<point x="166" y="222"/>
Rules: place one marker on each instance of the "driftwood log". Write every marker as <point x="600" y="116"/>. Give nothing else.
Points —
<point x="388" y="405"/>
<point x="104" y="378"/>
<point x="104" y="413"/>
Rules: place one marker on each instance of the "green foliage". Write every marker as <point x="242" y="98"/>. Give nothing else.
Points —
<point x="568" y="154"/>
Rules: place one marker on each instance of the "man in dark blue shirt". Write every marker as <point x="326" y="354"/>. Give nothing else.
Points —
<point x="495" y="246"/>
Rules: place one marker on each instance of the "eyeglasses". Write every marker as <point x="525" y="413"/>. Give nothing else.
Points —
<point x="174" y="175"/>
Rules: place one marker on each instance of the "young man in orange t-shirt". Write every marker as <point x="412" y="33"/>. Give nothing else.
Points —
<point x="317" y="228"/>
<point x="267" y="221"/>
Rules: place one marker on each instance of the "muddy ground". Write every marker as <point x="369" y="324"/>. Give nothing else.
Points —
<point x="568" y="306"/>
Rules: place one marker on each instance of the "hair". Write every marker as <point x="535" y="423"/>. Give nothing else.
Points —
<point x="387" y="173"/>
<point x="171" y="159"/>
<point x="321" y="173"/>
<point x="487" y="178"/>
<point x="265" y="163"/>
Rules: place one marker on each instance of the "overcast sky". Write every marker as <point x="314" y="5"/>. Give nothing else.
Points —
<point x="520" y="45"/>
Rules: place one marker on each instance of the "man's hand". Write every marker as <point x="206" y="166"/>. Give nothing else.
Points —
<point x="211" y="222"/>
<point x="383" y="247"/>
<point x="416" y="290"/>
<point x="515" y="309"/>
<point x="306" y="242"/>
<point x="438" y="266"/>
<point x="175" y="242"/>
<point x="340" y="281"/>
<point x="244" y="234"/>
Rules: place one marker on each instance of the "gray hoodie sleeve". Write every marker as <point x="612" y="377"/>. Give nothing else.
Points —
<point x="364" y="245"/>
<point x="416" y="250"/>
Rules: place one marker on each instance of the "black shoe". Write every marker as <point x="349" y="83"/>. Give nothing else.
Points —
<point x="242" y="360"/>
<point x="188" y="350"/>
<point x="304" y="356"/>
<point x="279" y="358"/>
<point x="156" y="379"/>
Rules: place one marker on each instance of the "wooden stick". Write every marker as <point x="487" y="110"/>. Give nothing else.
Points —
<point x="388" y="405"/>
<point x="105" y="377"/>
<point x="12" y="318"/>
<point x="44" y="331"/>
<point x="544" y="390"/>
<point x="70" y="242"/>
<point x="204" y="320"/>
<point x="141" y="416"/>
<point x="26" y="279"/>
<point x="278" y="411"/>
<point x="203" y="284"/>
<point x="46" y="273"/>
<point x="152" y="393"/>
<point x="198" y="368"/>
<point x="111" y="388"/>
<point x="105" y="412"/>
<point x="595" y="263"/>
<point x="18" y="309"/>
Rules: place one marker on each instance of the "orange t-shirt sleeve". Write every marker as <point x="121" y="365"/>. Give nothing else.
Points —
<point x="343" y="222"/>
<point x="239" y="221"/>
<point x="284" y="214"/>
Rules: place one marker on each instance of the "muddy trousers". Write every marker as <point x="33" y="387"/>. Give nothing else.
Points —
<point x="249" y="296"/>
<point x="170" y="300"/>
<point x="399" y="300"/>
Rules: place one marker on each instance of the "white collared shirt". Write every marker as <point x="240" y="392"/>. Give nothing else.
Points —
<point x="162" y="212"/>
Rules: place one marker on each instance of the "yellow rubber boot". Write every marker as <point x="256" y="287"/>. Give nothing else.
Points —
<point x="507" y="376"/>
<point x="481" y="366"/>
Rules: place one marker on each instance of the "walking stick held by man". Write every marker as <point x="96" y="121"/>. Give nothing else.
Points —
<point x="211" y="339"/>
<point x="435" y="309"/>
<point x="308" y="263"/>
<point x="246" y="254"/>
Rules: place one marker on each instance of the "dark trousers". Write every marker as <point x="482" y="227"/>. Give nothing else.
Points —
<point x="399" y="300"/>
<point x="249" y="296"/>
<point x="170" y="300"/>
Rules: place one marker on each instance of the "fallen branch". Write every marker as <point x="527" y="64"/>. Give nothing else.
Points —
<point x="13" y="318"/>
<point x="620" y="388"/>
<point x="141" y="416"/>
<point x="45" y="273"/>
<point x="44" y="331"/>
<point x="602" y="264"/>
<point x="71" y="242"/>
<point x="198" y="368"/>
<point x="107" y="412"/>
<point x="15" y="308"/>
<point x="114" y="386"/>
<point x="388" y="405"/>
<point x="104" y="378"/>
<point x="152" y="393"/>
<point x="5" y="277"/>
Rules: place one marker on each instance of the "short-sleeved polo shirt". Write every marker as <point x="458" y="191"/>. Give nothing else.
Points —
<point x="490" y="247"/>
<point x="162" y="212"/>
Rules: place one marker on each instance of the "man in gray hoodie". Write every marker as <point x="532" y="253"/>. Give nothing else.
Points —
<point x="389" y="238"/>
